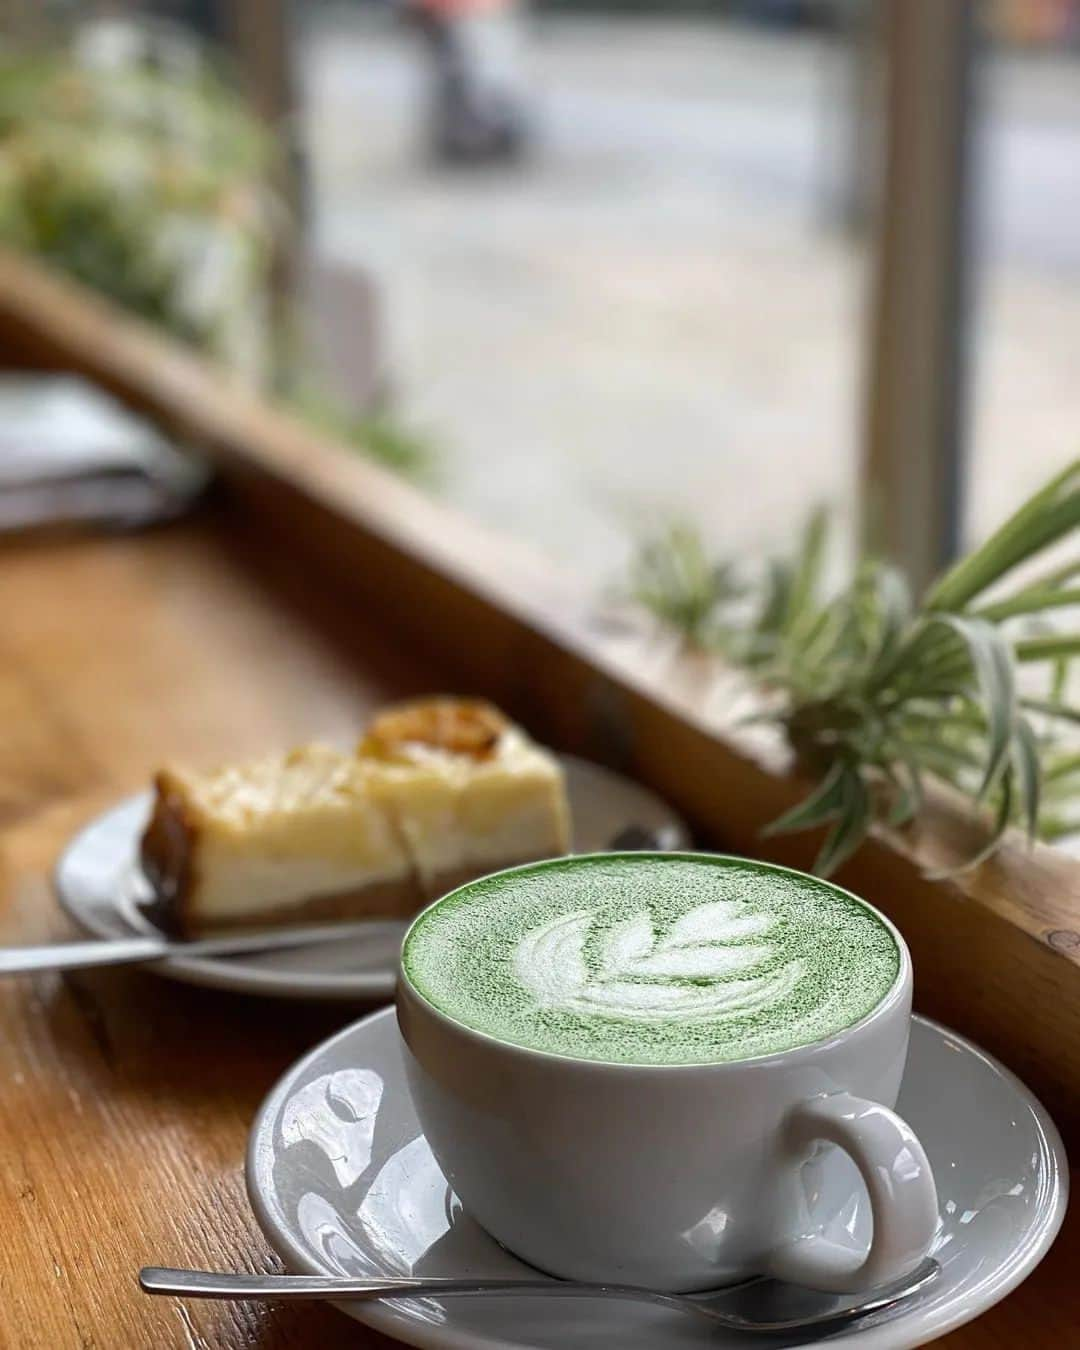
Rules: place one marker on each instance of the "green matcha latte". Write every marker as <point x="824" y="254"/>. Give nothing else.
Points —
<point x="651" y="958"/>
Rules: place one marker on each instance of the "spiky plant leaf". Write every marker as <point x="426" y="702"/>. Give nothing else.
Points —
<point x="1048" y="648"/>
<point x="672" y="576"/>
<point x="1028" y="770"/>
<point x="821" y="806"/>
<point x="1052" y="709"/>
<point x="990" y="658"/>
<point x="1061" y="766"/>
<point x="852" y="825"/>
<point x="906" y="777"/>
<point x="1051" y="514"/>
<point x="1002" y="817"/>
<point x="1030" y="601"/>
<point x="803" y="589"/>
<point x="872" y="691"/>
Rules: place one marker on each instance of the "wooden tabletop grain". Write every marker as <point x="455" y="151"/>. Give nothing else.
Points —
<point x="126" y="1099"/>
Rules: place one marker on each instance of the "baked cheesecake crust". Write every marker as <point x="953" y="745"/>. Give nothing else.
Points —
<point x="168" y="852"/>
<point x="380" y="900"/>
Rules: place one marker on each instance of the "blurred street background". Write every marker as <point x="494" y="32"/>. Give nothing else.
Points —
<point x="660" y="310"/>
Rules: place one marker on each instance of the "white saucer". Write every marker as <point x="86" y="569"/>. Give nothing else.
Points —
<point x="101" y="886"/>
<point x="342" y="1181"/>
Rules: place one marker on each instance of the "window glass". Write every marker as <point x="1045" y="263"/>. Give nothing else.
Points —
<point x="648" y="305"/>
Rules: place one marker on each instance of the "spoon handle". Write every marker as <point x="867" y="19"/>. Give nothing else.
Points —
<point x="80" y="955"/>
<point x="234" y="1285"/>
<point x="211" y="1284"/>
<point x="127" y="951"/>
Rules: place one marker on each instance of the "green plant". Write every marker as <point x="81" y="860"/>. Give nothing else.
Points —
<point x="874" y="692"/>
<point x="672" y="576"/>
<point x="380" y="436"/>
<point x="129" y="161"/>
<point x="142" y="174"/>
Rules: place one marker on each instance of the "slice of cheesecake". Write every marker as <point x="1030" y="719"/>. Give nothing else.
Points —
<point x="438" y="791"/>
<point x="289" y="839"/>
<point x="470" y="792"/>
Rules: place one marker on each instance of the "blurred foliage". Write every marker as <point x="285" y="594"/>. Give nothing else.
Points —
<point x="380" y="436"/>
<point x="129" y="161"/>
<point x="133" y="166"/>
<point x="672" y="576"/>
<point x="874" y="691"/>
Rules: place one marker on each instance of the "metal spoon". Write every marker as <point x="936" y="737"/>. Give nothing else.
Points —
<point x="758" y="1305"/>
<point x="132" y="951"/>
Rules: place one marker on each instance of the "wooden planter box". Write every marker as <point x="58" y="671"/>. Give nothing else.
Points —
<point x="313" y="585"/>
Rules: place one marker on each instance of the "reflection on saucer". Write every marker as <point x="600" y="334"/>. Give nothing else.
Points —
<point x="326" y="1233"/>
<point x="337" y="1114"/>
<point x="405" y="1213"/>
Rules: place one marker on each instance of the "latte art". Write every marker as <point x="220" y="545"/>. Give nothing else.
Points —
<point x="689" y="973"/>
<point x="652" y="958"/>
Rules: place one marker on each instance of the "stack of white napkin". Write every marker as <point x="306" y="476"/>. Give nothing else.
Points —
<point x="70" y="455"/>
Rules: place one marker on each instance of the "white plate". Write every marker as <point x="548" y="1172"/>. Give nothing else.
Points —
<point x="102" y="887"/>
<point x="342" y="1182"/>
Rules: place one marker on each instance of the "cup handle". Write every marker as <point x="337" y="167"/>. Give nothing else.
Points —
<point x="903" y="1197"/>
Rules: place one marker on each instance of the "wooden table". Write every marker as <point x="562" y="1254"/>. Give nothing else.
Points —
<point x="127" y="1099"/>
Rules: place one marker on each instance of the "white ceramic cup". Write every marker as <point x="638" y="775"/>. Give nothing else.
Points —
<point x="676" y="1176"/>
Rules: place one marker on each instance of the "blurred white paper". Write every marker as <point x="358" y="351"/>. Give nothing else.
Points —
<point x="70" y="454"/>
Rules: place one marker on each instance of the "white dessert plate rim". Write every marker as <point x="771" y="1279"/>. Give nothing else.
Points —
<point x="97" y="876"/>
